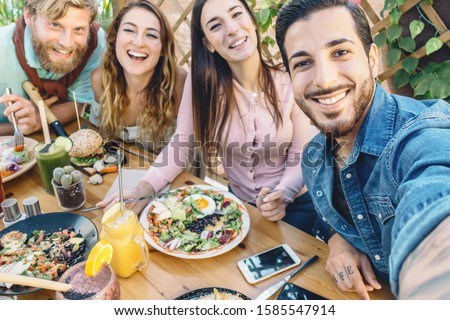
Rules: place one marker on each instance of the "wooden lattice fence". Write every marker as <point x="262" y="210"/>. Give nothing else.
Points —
<point x="178" y="12"/>
<point x="179" y="16"/>
<point x="380" y="25"/>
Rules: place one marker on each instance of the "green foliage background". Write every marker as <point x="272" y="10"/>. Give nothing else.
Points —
<point x="432" y="81"/>
<point x="11" y="10"/>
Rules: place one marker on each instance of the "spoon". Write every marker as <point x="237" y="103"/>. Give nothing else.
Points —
<point x="34" y="282"/>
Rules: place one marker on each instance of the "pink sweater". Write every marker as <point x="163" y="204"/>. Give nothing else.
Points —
<point x="257" y="154"/>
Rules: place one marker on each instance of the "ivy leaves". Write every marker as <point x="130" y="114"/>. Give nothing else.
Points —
<point x="433" y="81"/>
<point x="393" y="33"/>
<point x="416" y="27"/>
<point x="410" y="64"/>
<point x="433" y="44"/>
<point x="429" y="82"/>
<point x="395" y="15"/>
<point x="393" y="56"/>
<point x="265" y="13"/>
<point x="407" y="44"/>
<point x="380" y="39"/>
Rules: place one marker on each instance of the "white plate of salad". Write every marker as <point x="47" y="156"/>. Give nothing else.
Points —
<point x="16" y="161"/>
<point x="195" y="222"/>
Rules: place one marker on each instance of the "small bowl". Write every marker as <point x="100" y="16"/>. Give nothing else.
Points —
<point x="103" y="286"/>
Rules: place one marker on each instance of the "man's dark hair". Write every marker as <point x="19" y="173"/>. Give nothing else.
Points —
<point x="301" y="9"/>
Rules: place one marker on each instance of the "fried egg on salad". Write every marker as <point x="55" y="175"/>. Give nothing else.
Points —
<point x="204" y="203"/>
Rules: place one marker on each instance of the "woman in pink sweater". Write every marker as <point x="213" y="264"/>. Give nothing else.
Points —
<point x="241" y="106"/>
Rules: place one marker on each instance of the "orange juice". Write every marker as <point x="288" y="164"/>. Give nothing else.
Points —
<point x="126" y="235"/>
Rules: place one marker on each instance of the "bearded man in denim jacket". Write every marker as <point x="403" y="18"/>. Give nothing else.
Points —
<point x="379" y="172"/>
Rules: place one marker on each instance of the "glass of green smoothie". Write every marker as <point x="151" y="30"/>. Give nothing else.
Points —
<point x="47" y="160"/>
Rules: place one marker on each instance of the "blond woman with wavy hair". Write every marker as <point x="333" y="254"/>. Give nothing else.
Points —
<point x="139" y="84"/>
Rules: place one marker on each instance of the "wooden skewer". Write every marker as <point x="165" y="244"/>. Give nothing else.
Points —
<point x="76" y="109"/>
<point x="41" y="107"/>
<point x="34" y="282"/>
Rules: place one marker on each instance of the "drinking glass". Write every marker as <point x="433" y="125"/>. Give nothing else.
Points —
<point x="55" y="156"/>
<point x="70" y="197"/>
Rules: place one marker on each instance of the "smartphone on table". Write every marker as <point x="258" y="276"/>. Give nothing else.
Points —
<point x="268" y="263"/>
<point x="292" y="291"/>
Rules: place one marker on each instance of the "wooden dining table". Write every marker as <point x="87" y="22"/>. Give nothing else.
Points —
<point x="168" y="277"/>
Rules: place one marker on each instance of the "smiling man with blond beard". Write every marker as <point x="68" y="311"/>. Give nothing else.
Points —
<point x="55" y="45"/>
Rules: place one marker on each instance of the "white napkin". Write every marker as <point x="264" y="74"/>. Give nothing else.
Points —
<point x="130" y="177"/>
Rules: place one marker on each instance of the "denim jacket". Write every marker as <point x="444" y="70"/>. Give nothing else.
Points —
<point x="396" y="180"/>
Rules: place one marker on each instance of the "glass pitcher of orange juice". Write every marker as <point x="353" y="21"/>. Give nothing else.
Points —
<point x="126" y="235"/>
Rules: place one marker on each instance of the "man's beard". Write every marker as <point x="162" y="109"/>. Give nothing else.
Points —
<point x="340" y="128"/>
<point x="42" y="52"/>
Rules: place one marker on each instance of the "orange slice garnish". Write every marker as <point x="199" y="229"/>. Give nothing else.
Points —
<point x="100" y="254"/>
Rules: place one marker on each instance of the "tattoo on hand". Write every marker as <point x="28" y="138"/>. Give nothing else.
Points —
<point x="349" y="270"/>
<point x="341" y="274"/>
<point x="335" y="278"/>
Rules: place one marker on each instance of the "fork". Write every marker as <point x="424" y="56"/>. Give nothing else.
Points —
<point x="251" y="202"/>
<point x="18" y="135"/>
<point x="261" y="196"/>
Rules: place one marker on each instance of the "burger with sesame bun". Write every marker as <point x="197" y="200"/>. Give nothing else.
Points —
<point x="87" y="147"/>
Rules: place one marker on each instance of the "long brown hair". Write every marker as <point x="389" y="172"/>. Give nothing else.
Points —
<point x="157" y="118"/>
<point x="213" y="96"/>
